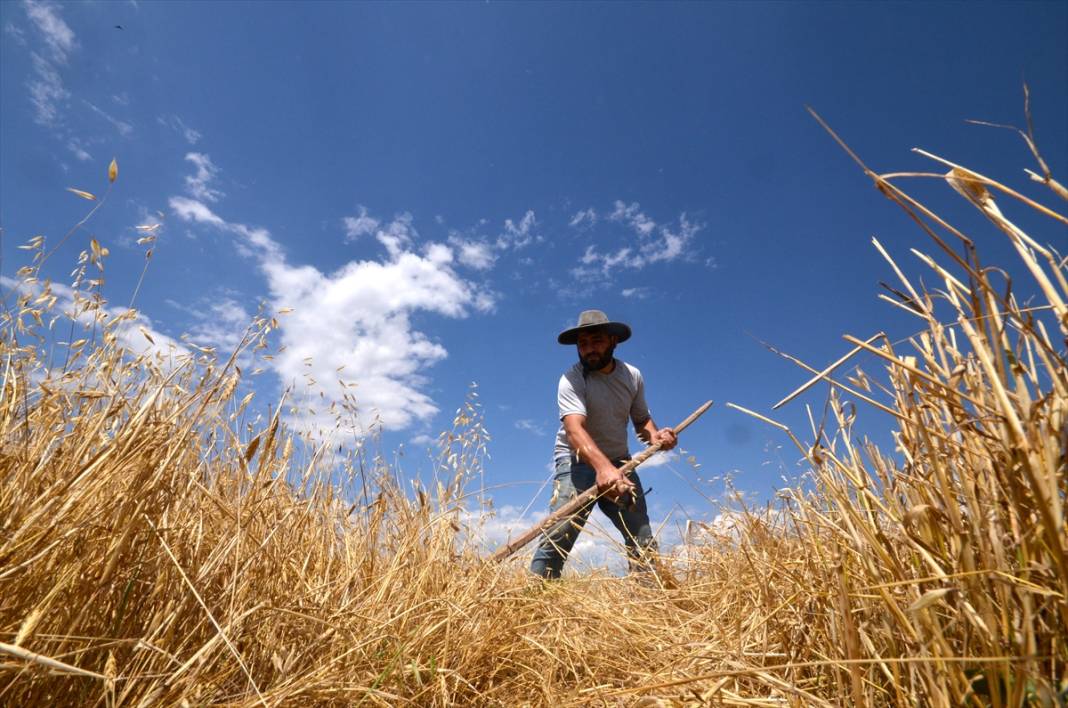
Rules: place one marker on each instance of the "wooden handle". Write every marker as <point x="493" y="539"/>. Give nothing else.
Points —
<point x="587" y="496"/>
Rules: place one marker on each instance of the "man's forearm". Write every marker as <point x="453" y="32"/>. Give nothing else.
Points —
<point x="586" y="449"/>
<point x="650" y="434"/>
<point x="610" y="480"/>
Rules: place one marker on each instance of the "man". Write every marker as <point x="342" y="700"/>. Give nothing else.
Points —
<point x="597" y="396"/>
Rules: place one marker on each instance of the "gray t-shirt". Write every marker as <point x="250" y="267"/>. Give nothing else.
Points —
<point x="608" y="401"/>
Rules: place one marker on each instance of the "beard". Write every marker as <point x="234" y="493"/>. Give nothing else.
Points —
<point x="593" y="362"/>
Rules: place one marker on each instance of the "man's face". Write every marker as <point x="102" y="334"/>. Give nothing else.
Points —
<point x="595" y="349"/>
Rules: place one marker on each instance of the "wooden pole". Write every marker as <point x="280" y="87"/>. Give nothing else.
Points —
<point x="587" y="496"/>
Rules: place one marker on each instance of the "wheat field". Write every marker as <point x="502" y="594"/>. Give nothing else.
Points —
<point x="156" y="548"/>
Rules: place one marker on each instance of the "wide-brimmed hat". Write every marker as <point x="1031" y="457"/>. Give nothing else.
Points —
<point x="594" y="319"/>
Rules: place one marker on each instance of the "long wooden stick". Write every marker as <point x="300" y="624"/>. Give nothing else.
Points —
<point x="587" y="496"/>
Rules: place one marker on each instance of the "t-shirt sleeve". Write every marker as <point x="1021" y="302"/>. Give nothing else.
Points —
<point x="571" y="396"/>
<point x="639" y="410"/>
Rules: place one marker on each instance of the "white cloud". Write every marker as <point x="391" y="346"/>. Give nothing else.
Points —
<point x="398" y="235"/>
<point x="173" y="122"/>
<point x="519" y="235"/>
<point x="623" y="257"/>
<point x="125" y="129"/>
<point x="359" y="225"/>
<point x="192" y="210"/>
<point x="191" y="136"/>
<point x="660" y="458"/>
<point x="57" y="34"/>
<point x="530" y="426"/>
<point x="632" y="215"/>
<point x="673" y="241"/>
<point x="639" y="293"/>
<point x="485" y="300"/>
<point x="655" y="243"/>
<point x="47" y="91"/>
<point x="75" y="146"/>
<point x="473" y="254"/>
<point x="350" y="332"/>
<point x="481" y="253"/>
<point x="422" y="440"/>
<point x="129" y="327"/>
<point x="359" y="318"/>
<point x="583" y="219"/>
<point x="17" y="35"/>
<point x="198" y="185"/>
<point x="221" y="324"/>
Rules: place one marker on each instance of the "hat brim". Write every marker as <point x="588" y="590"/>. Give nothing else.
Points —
<point x="616" y="329"/>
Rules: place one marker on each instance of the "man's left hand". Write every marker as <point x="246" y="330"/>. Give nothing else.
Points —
<point x="666" y="438"/>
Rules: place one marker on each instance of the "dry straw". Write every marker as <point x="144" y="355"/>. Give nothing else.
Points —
<point x="155" y="549"/>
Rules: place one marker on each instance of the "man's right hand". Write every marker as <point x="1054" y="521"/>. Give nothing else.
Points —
<point x="613" y="483"/>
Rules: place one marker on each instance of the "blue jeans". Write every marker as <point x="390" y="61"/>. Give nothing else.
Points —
<point x="571" y="479"/>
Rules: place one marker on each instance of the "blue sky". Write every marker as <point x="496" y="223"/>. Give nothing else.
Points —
<point x="438" y="189"/>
